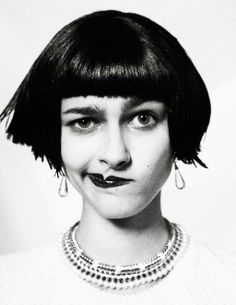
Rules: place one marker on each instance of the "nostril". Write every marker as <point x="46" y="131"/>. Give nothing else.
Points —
<point x="117" y="164"/>
<point x="124" y="163"/>
<point x="114" y="152"/>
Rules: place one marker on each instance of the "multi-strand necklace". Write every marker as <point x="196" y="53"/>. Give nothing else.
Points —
<point x="126" y="276"/>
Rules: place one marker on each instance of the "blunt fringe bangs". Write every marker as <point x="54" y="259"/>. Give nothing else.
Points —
<point x="109" y="53"/>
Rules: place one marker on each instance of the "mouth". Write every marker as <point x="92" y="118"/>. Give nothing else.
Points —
<point x="110" y="181"/>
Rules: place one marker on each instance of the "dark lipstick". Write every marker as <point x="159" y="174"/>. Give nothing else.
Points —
<point x="110" y="181"/>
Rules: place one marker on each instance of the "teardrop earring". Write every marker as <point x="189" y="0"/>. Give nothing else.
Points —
<point x="63" y="188"/>
<point x="179" y="180"/>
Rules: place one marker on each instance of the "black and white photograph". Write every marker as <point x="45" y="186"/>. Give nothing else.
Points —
<point x="117" y="152"/>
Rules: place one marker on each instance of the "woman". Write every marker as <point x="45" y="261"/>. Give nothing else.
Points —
<point x="112" y="103"/>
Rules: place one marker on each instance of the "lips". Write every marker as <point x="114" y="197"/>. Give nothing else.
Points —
<point x="110" y="181"/>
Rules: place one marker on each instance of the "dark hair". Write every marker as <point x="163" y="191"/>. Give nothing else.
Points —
<point x="110" y="53"/>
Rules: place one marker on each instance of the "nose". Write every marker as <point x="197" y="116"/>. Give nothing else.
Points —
<point x="115" y="153"/>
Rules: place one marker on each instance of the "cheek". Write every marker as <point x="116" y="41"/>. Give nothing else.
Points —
<point x="76" y="151"/>
<point x="154" y="151"/>
<point x="154" y="159"/>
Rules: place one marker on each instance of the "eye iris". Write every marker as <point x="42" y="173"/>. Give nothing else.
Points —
<point x="144" y="118"/>
<point x="84" y="123"/>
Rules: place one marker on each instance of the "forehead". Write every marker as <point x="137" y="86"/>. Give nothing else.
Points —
<point x="104" y="103"/>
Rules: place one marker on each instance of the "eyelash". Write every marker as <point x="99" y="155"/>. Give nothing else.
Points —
<point x="150" y="115"/>
<point x="97" y="122"/>
<point x="81" y="129"/>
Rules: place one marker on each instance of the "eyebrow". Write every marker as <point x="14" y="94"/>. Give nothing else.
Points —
<point x="94" y="110"/>
<point x="89" y="110"/>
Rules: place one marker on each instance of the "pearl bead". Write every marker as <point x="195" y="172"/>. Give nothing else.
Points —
<point x="124" y="277"/>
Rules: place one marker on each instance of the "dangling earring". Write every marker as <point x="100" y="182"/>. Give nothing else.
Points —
<point x="63" y="188"/>
<point x="179" y="180"/>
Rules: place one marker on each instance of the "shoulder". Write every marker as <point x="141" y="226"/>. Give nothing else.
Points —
<point x="30" y="277"/>
<point x="214" y="258"/>
<point x="25" y="261"/>
<point x="40" y="276"/>
<point x="213" y="274"/>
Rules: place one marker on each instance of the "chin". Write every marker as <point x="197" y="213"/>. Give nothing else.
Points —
<point x="116" y="209"/>
<point x="119" y="215"/>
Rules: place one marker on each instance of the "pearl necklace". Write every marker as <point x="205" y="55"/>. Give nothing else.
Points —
<point x="126" y="276"/>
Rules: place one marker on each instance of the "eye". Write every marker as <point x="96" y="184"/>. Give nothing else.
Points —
<point x="143" y="120"/>
<point x="84" y="125"/>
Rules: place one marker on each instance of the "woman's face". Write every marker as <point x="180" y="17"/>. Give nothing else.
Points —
<point x="126" y="138"/>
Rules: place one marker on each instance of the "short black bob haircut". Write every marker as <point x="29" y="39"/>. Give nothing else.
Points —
<point x="109" y="53"/>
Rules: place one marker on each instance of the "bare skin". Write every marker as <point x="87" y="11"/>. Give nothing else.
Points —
<point x="123" y="241"/>
<point x="125" y="138"/>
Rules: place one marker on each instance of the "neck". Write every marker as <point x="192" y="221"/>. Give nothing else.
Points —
<point x="123" y="241"/>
